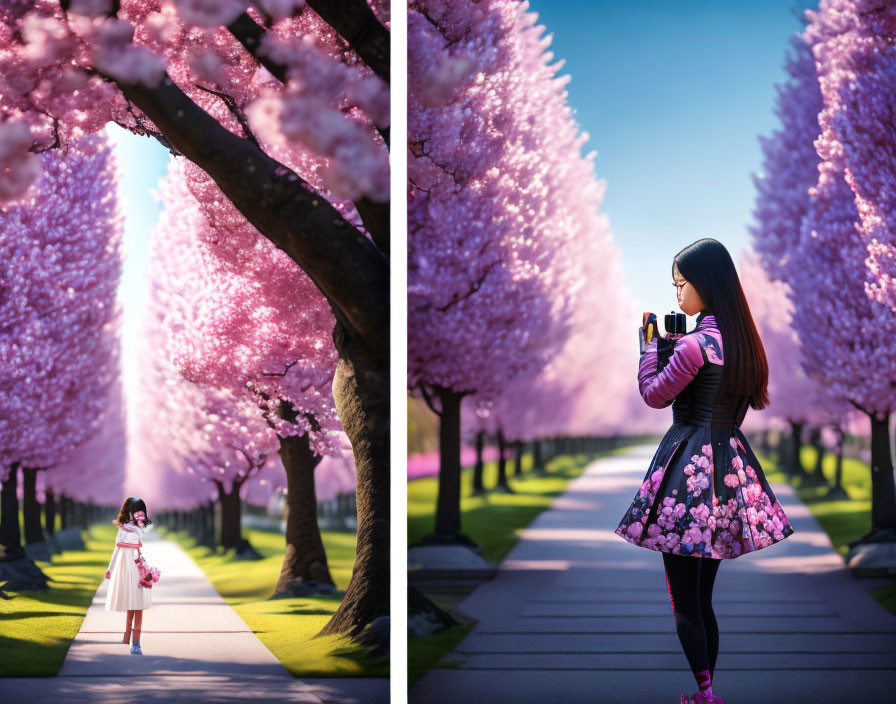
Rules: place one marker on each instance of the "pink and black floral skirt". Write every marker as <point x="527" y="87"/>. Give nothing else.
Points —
<point x="704" y="495"/>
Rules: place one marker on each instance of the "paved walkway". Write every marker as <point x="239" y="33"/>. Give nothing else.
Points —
<point x="196" y="649"/>
<point x="576" y="614"/>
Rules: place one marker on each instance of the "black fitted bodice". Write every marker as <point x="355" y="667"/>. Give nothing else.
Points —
<point x="699" y="403"/>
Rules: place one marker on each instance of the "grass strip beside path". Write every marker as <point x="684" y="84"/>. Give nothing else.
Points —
<point x="495" y="518"/>
<point x="844" y="520"/>
<point x="287" y="626"/>
<point x="38" y="627"/>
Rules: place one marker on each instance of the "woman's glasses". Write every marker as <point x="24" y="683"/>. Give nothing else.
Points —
<point x="679" y="284"/>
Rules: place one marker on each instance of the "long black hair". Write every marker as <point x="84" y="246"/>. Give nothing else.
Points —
<point x="708" y="267"/>
<point x="131" y="505"/>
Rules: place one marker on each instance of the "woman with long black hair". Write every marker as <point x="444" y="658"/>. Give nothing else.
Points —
<point x="705" y="497"/>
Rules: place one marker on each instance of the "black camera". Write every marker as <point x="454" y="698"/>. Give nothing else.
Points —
<point x="675" y="323"/>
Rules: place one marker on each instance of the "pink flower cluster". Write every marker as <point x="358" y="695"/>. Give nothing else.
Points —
<point x="148" y="575"/>
<point x="745" y="522"/>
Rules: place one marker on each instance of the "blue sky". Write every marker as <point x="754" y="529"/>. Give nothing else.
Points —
<point x="142" y="161"/>
<point x="673" y="96"/>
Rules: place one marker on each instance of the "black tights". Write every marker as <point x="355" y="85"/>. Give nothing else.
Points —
<point x="690" y="580"/>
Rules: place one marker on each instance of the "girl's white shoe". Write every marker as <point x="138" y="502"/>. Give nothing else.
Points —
<point x="135" y="649"/>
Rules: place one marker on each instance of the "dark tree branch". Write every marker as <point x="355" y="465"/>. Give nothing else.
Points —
<point x="861" y="408"/>
<point x="375" y="217"/>
<point x="235" y="111"/>
<point x="428" y="398"/>
<point x="286" y="368"/>
<point x="474" y="287"/>
<point x="347" y="268"/>
<point x="356" y="23"/>
<point x="158" y="136"/>
<point x="141" y="129"/>
<point x="250" y="34"/>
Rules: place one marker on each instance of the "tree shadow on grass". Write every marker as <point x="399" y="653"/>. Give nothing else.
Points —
<point x="24" y="658"/>
<point x="302" y="611"/>
<point x="69" y="596"/>
<point x="18" y="615"/>
<point x="65" y="564"/>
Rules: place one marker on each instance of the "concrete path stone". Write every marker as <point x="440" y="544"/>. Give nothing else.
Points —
<point x="195" y="649"/>
<point x="576" y="614"/>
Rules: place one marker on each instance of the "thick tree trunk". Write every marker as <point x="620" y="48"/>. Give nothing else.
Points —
<point x="50" y="513"/>
<point x="361" y="392"/>
<point x="502" y="484"/>
<point x="34" y="532"/>
<point x="837" y="491"/>
<point x="10" y="531"/>
<point x="65" y="511"/>
<point x="207" y="535"/>
<point x="818" y="470"/>
<point x="231" y="531"/>
<point x="796" y="463"/>
<point x="305" y="560"/>
<point x="764" y="443"/>
<point x="479" y="466"/>
<point x="537" y="457"/>
<point x="883" y="493"/>
<point x="838" y="469"/>
<point x="518" y="449"/>
<point x="448" y="526"/>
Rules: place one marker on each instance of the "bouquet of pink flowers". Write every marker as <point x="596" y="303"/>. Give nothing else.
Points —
<point x="148" y="575"/>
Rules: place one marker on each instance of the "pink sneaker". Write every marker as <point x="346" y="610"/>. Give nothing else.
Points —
<point x="701" y="698"/>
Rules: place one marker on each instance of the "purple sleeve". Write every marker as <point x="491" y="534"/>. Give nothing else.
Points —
<point x="659" y="389"/>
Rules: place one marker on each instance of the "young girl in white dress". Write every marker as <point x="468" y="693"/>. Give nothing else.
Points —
<point x="123" y="575"/>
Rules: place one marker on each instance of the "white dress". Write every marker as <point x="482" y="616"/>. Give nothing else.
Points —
<point x="123" y="593"/>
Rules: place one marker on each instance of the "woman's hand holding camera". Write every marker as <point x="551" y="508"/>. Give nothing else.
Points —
<point x="647" y="332"/>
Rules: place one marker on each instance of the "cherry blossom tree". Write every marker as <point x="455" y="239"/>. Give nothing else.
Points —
<point x="586" y="389"/>
<point x="284" y="104"/>
<point x="852" y="41"/>
<point x="216" y="433"/>
<point x="60" y="265"/>
<point x="257" y="324"/>
<point x="795" y="398"/>
<point x="844" y="332"/>
<point x="789" y="165"/>
<point x="191" y="442"/>
<point x="498" y="196"/>
<point x="95" y="471"/>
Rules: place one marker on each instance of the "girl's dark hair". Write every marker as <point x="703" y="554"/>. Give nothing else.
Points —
<point x="708" y="267"/>
<point x="131" y="505"/>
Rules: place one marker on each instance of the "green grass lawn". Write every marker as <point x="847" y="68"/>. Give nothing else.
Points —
<point x="287" y="626"/>
<point x="494" y="520"/>
<point x="37" y="628"/>
<point x="843" y="520"/>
